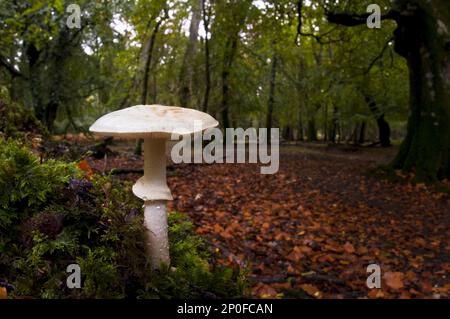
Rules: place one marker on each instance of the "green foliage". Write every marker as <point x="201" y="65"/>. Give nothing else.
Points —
<point x="25" y="184"/>
<point x="50" y="217"/>
<point x="15" y="119"/>
<point x="101" y="276"/>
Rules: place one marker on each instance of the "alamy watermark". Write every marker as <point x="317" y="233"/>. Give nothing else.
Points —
<point x="74" y="279"/>
<point x="74" y="19"/>
<point x="374" y="19"/>
<point x="261" y="148"/>
<point x="374" y="279"/>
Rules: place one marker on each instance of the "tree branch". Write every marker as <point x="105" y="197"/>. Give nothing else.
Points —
<point x="379" y="56"/>
<point x="318" y="38"/>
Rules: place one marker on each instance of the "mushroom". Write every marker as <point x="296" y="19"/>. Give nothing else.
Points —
<point x="155" y="124"/>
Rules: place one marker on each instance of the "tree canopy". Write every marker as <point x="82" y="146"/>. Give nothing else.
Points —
<point x="289" y="64"/>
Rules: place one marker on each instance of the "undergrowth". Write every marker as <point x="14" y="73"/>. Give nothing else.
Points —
<point x="52" y="216"/>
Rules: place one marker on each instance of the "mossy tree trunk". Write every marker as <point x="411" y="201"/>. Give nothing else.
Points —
<point x="423" y="39"/>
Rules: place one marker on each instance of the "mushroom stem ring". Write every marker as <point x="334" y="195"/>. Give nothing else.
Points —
<point x="153" y="185"/>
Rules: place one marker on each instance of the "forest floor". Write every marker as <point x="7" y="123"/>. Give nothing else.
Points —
<point x="311" y="230"/>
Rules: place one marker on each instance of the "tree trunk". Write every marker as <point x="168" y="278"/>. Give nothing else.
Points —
<point x="148" y="61"/>
<point x="312" y="132"/>
<point x="33" y="55"/>
<point x="206" y="20"/>
<point x="300" y="135"/>
<point x="301" y="102"/>
<point x="187" y="69"/>
<point x="49" y="95"/>
<point x="234" y="24"/>
<point x="335" y="125"/>
<point x="148" y="56"/>
<point x="325" y="123"/>
<point x="273" y="74"/>
<point x="362" y="133"/>
<point x="288" y="133"/>
<point x="230" y="50"/>
<point x="354" y="136"/>
<point x="384" y="130"/>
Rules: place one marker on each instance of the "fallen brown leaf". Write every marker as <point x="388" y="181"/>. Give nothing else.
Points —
<point x="3" y="293"/>
<point x="394" y="280"/>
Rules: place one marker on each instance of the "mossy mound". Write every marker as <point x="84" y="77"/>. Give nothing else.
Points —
<point x="52" y="216"/>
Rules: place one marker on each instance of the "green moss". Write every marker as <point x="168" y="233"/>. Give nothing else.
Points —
<point x="17" y="120"/>
<point x="191" y="275"/>
<point x="50" y="217"/>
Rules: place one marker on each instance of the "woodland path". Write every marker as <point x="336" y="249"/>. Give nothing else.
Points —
<point x="311" y="229"/>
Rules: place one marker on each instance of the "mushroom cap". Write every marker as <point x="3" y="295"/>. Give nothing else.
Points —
<point x="157" y="121"/>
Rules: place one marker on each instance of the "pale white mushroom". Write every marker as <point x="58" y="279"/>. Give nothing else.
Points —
<point x="155" y="124"/>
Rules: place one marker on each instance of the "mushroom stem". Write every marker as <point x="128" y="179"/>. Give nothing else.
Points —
<point x="153" y="189"/>
<point x="155" y="220"/>
<point x="155" y="160"/>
